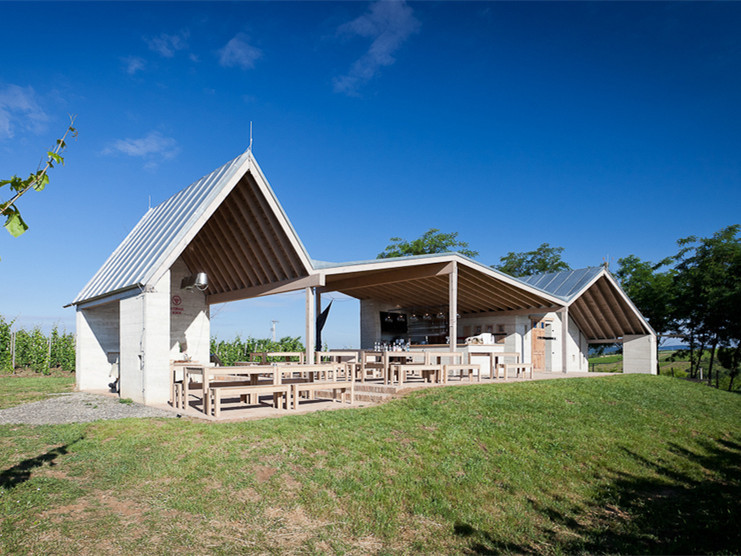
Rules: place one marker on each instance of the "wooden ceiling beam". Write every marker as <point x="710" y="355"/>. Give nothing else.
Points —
<point x="384" y="277"/>
<point x="263" y="239"/>
<point x="597" y="326"/>
<point x="606" y="289"/>
<point x="503" y="300"/>
<point x="293" y="284"/>
<point x="277" y="242"/>
<point x="599" y="314"/>
<point x="210" y="243"/>
<point x="245" y="245"/>
<point x="239" y="257"/>
<point x="581" y="321"/>
<point x="207" y="264"/>
<point x="242" y="216"/>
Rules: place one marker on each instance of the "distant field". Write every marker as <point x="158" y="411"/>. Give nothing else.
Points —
<point x="670" y="363"/>
<point x="616" y="464"/>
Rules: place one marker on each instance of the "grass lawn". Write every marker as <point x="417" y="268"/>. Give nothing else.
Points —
<point x="619" y="464"/>
<point x="16" y="390"/>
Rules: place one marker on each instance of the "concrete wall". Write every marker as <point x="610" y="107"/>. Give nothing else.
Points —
<point x="370" y="323"/>
<point x="97" y="346"/>
<point x="190" y="325"/>
<point x="145" y="344"/>
<point x="639" y="354"/>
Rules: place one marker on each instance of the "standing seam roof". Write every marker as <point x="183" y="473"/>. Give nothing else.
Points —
<point x="566" y="284"/>
<point x="141" y="253"/>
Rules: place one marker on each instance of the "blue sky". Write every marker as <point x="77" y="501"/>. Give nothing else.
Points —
<point x="605" y="128"/>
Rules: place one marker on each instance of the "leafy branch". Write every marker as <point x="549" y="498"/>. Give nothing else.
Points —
<point x="38" y="180"/>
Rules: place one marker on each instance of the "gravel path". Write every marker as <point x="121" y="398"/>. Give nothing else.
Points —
<point x="76" y="407"/>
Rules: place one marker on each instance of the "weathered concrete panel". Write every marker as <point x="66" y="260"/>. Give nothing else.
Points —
<point x="639" y="354"/>
<point x="190" y="325"/>
<point x="145" y="344"/>
<point x="97" y="346"/>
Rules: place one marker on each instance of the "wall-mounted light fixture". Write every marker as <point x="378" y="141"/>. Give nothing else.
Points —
<point x="198" y="281"/>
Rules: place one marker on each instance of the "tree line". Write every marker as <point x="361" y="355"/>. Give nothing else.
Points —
<point x="693" y="295"/>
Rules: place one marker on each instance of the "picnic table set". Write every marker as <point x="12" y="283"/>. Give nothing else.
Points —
<point x="286" y="380"/>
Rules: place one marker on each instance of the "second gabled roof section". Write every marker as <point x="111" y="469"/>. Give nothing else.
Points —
<point x="228" y="224"/>
<point x="596" y="302"/>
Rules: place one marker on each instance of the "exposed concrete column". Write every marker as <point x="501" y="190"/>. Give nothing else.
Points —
<point x="453" y="307"/>
<point x="310" y="338"/>
<point x="564" y="339"/>
<point x="145" y="344"/>
<point x="639" y="354"/>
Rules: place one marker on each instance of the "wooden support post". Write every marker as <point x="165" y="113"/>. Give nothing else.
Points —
<point x="453" y="307"/>
<point x="310" y="324"/>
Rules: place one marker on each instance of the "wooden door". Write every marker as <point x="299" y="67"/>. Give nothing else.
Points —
<point x="538" y="345"/>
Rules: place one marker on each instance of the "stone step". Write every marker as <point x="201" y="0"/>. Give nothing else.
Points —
<point x="375" y="388"/>
<point x="360" y="396"/>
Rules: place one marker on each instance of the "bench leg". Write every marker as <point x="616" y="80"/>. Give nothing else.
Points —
<point x="217" y="403"/>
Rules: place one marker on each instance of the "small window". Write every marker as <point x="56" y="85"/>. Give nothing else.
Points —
<point x="501" y="334"/>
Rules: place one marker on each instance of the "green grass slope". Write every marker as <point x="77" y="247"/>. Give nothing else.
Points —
<point x="621" y="464"/>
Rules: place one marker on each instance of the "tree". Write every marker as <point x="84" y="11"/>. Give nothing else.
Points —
<point x="37" y="180"/>
<point x="651" y="291"/>
<point x="432" y="241"/>
<point x="730" y="358"/>
<point x="708" y="286"/>
<point x="543" y="259"/>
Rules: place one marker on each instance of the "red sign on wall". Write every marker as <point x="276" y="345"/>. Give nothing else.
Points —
<point x="176" y="305"/>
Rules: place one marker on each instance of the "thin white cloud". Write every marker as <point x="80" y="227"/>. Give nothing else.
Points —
<point x="19" y="109"/>
<point x="388" y="23"/>
<point x="167" y="45"/>
<point x="239" y="53"/>
<point x="153" y="147"/>
<point x="132" y="64"/>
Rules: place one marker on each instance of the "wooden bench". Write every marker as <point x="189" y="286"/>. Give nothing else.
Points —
<point x="279" y="392"/>
<point x="458" y="364"/>
<point x="517" y="367"/>
<point x="370" y="364"/>
<point x="429" y="371"/>
<point x="345" y="388"/>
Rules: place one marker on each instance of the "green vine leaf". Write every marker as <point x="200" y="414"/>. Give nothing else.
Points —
<point x="41" y="181"/>
<point x="55" y="157"/>
<point x="14" y="223"/>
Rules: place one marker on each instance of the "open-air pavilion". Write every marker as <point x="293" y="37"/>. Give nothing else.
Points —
<point x="225" y="238"/>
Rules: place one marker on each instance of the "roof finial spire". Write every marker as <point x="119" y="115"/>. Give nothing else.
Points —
<point x="250" y="147"/>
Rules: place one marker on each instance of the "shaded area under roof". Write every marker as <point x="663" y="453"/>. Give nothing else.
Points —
<point x="423" y="281"/>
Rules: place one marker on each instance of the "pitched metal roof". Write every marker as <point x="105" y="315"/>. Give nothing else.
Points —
<point x="167" y="230"/>
<point x="566" y="284"/>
